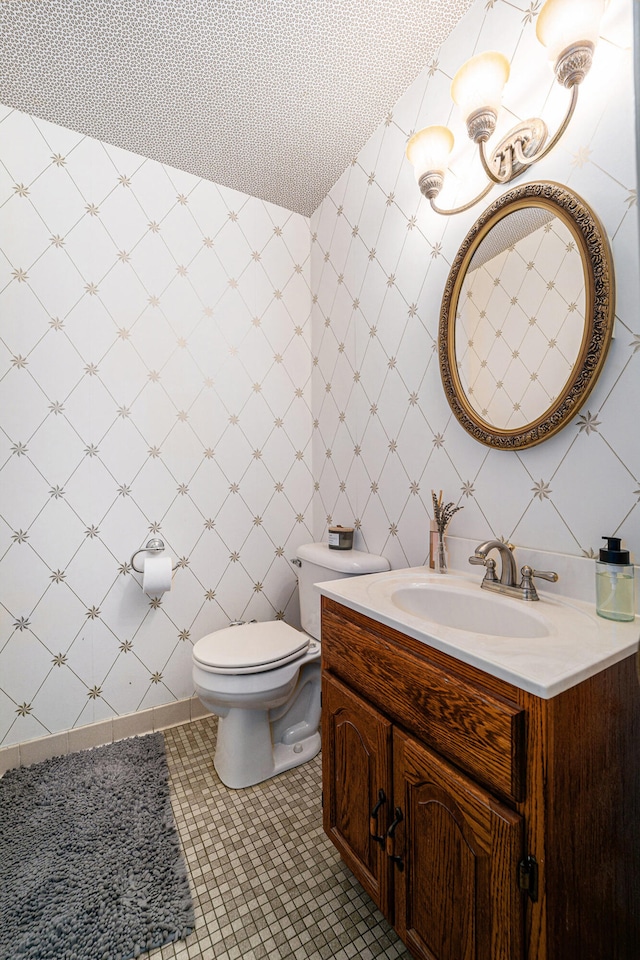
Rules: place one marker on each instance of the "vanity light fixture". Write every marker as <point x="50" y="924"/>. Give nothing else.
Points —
<point x="569" y="30"/>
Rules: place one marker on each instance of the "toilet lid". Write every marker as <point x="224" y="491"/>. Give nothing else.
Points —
<point x="250" y="648"/>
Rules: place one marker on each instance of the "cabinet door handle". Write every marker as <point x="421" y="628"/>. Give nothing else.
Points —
<point x="373" y="818"/>
<point x="398" y="818"/>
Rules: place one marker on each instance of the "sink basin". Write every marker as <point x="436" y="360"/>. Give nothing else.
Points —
<point x="472" y="611"/>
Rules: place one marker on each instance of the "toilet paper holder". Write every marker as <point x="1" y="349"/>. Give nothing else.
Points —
<point x="155" y="545"/>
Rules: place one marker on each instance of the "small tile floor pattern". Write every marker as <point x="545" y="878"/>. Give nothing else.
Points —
<point x="265" y="880"/>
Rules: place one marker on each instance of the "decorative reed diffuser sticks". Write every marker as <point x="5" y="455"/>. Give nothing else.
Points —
<point x="442" y="514"/>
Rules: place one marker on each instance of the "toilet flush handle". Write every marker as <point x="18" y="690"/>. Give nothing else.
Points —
<point x="296" y="562"/>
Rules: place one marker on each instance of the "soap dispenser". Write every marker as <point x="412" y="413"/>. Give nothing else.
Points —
<point x="615" y="598"/>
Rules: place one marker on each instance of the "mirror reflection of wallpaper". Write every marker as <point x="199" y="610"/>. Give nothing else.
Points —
<point x="520" y="320"/>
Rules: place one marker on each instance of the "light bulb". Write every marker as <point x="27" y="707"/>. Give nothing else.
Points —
<point x="565" y="23"/>
<point x="477" y="86"/>
<point x="429" y="150"/>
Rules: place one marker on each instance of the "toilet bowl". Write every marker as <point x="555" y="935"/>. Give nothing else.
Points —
<point x="263" y="729"/>
<point x="263" y="679"/>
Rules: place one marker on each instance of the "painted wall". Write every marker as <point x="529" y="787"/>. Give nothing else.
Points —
<point x="155" y="356"/>
<point x="384" y="436"/>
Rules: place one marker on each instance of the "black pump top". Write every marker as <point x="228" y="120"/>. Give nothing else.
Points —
<point x="612" y="552"/>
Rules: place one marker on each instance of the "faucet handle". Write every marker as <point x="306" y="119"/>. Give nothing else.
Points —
<point x="545" y="575"/>
<point x="487" y="562"/>
<point x="527" y="585"/>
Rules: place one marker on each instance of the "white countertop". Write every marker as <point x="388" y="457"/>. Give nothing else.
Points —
<point x="578" y="643"/>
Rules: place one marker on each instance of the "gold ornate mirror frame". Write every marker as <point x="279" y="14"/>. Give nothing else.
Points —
<point x="549" y="200"/>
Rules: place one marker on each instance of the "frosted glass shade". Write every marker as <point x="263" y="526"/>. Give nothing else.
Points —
<point x="562" y="23"/>
<point x="478" y="84"/>
<point x="429" y="150"/>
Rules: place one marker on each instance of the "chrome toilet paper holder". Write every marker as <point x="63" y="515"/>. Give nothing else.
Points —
<point x="155" y="545"/>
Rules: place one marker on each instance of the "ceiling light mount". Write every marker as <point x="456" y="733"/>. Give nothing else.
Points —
<point x="517" y="150"/>
<point x="569" y="30"/>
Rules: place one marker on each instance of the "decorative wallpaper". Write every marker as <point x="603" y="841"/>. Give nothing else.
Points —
<point x="272" y="97"/>
<point x="384" y="436"/>
<point x="155" y="380"/>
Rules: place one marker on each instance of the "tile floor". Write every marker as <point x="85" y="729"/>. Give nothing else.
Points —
<point x="266" y="881"/>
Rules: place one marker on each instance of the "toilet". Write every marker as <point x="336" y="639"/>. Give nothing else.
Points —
<point x="263" y="679"/>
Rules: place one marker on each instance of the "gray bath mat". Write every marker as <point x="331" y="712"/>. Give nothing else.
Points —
<point x="90" y="862"/>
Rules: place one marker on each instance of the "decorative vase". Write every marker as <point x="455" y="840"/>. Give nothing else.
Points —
<point x="441" y="555"/>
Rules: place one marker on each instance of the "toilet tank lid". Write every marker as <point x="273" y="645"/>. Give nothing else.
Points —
<point x="342" y="561"/>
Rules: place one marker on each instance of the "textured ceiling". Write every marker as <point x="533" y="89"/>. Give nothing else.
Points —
<point x="270" y="97"/>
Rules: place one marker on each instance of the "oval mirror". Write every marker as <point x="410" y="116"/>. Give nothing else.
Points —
<point x="527" y="316"/>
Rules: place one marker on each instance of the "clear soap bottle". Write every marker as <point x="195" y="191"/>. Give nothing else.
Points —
<point x="615" y="593"/>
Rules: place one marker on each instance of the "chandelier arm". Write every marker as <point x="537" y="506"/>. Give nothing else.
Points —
<point x="466" y="206"/>
<point x="527" y="161"/>
<point x="494" y="177"/>
<point x="508" y="166"/>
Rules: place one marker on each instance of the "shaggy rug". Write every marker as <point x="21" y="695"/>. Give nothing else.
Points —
<point x="90" y="861"/>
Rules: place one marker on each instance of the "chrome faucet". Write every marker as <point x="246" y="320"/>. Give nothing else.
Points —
<point x="507" y="585"/>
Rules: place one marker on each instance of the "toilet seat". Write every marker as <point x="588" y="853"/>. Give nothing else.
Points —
<point x="250" y="648"/>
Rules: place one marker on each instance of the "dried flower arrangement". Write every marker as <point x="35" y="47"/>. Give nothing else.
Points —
<point x="442" y="513"/>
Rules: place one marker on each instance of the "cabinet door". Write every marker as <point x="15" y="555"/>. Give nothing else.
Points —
<point x="456" y="889"/>
<point x="356" y="777"/>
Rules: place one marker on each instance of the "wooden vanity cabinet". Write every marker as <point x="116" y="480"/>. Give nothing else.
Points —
<point x="440" y="783"/>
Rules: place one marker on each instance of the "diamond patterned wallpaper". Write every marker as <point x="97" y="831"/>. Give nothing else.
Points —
<point x="155" y="380"/>
<point x="383" y="433"/>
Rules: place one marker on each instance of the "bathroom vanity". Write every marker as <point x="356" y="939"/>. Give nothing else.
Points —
<point x="486" y="820"/>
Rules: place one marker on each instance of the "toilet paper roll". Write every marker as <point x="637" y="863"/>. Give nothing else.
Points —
<point x="156" y="575"/>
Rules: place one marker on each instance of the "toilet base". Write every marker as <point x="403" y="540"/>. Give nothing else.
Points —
<point x="263" y="733"/>
<point x="288" y="755"/>
<point x="259" y="759"/>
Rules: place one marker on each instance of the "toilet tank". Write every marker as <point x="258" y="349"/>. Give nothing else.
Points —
<point x="318" y="562"/>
